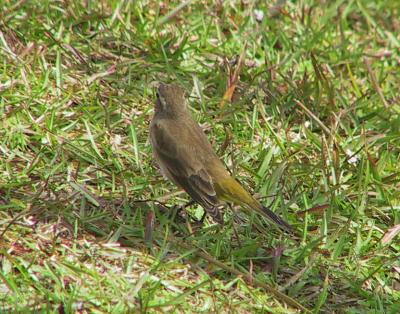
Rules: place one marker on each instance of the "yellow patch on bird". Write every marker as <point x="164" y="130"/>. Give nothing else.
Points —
<point x="228" y="189"/>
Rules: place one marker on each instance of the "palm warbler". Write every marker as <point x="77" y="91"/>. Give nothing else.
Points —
<point x="186" y="157"/>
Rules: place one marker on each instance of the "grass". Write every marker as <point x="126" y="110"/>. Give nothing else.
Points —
<point x="313" y="129"/>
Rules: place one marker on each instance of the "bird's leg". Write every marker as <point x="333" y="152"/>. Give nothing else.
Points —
<point x="177" y="209"/>
<point x="216" y="213"/>
<point x="186" y="215"/>
<point x="203" y="217"/>
<point x="190" y="203"/>
<point x="234" y="225"/>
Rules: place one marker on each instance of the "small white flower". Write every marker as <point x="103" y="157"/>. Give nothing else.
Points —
<point x="307" y="124"/>
<point x="267" y="143"/>
<point x="353" y="158"/>
<point x="30" y="221"/>
<point x="259" y="15"/>
<point x="116" y="141"/>
<point x="276" y="150"/>
<point x="68" y="114"/>
<point x="296" y="137"/>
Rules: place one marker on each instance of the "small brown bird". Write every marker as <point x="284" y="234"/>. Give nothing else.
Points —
<point x="186" y="157"/>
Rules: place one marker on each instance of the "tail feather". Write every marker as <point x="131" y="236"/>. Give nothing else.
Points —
<point x="276" y="219"/>
<point x="230" y="190"/>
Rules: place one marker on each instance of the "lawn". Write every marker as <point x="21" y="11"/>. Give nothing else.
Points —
<point x="301" y="101"/>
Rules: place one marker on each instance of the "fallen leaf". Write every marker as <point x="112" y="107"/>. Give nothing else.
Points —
<point x="319" y="209"/>
<point x="390" y="234"/>
<point x="233" y="79"/>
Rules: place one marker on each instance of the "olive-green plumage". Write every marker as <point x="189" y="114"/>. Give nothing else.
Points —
<point x="186" y="157"/>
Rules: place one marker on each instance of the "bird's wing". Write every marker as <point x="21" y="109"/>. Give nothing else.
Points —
<point x="185" y="167"/>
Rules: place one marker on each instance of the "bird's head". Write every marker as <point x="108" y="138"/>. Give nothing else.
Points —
<point x="170" y="99"/>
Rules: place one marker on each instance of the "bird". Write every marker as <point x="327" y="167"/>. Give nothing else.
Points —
<point x="186" y="157"/>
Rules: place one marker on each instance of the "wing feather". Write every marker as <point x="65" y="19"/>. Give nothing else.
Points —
<point x="184" y="166"/>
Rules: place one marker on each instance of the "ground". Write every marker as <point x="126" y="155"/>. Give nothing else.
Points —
<point x="300" y="100"/>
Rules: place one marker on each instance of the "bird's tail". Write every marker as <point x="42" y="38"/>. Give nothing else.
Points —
<point x="276" y="219"/>
<point x="230" y="190"/>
